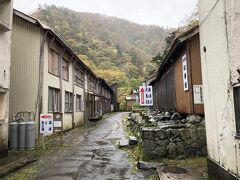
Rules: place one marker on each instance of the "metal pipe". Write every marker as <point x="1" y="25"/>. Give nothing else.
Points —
<point x="38" y="107"/>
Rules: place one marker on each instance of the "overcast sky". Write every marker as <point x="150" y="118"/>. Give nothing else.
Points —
<point x="167" y="13"/>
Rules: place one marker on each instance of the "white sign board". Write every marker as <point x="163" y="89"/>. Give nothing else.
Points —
<point x="57" y="124"/>
<point x="185" y="75"/>
<point x="198" y="94"/>
<point x="46" y="124"/>
<point x="145" y="96"/>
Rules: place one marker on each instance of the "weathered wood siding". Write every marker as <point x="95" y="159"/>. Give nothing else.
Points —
<point x="164" y="92"/>
<point x="168" y="91"/>
<point x="183" y="99"/>
<point x="196" y="70"/>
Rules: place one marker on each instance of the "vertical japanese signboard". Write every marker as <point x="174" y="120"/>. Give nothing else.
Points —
<point x="46" y="124"/>
<point x="185" y="75"/>
<point x="198" y="94"/>
<point x="145" y="96"/>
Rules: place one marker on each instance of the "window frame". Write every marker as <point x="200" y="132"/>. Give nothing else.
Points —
<point x="91" y="84"/>
<point x="68" y="102"/>
<point x="79" y="103"/>
<point x="65" y="66"/>
<point x="54" y="95"/>
<point x="51" y="60"/>
<point x="78" y="77"/>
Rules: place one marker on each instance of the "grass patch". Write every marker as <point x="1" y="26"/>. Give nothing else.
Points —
<point x="28" y="172"/>
<point x="135" y="153"/>
<point x="197" y="165"/>
<point x="31" y="171"/>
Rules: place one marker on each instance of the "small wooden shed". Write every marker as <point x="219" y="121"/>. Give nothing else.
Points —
<point x="178" y="85"/>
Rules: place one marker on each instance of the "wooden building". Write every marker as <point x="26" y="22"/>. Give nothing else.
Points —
<point x="5" y="61"/>
<point x="115" y="103"/>
<point x="178" y="85"/>
<point x="103" y="98"/>
<point x="132" y="99"/>
<point x="47" y="77"/>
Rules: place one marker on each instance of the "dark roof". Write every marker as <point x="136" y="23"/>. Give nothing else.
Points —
<point x="177" y="43"/>
<point x="105" y="84"/>
<point x="50" y="31"/>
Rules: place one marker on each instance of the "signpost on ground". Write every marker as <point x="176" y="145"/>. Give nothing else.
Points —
<point x="58" y="125"/>
<point x="146" y="95"/>
<point x="46" y="126"/>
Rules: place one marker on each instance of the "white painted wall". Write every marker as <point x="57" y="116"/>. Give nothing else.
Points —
<point x="50" y="80"/>
<point x="220" y="34"/>
<point x="78" y="116"/>
<point x="5" y="61"/>
<point x="233" y="32"/>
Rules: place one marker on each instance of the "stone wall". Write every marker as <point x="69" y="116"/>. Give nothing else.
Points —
<point x="179" y="140"/>
<point x="175" y="139"/>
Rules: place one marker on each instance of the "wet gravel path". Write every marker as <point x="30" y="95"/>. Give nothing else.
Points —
<point x="93" y="154"/>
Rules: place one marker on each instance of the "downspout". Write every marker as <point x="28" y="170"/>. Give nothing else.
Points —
<point x="192" y="109"/>
<point x="60" y="82"/>
<point x="38" y="108"/>
<point x="85" y="94"/>
<point x="73" y="86"/>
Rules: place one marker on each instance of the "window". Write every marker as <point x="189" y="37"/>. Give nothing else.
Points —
<point x="236" y="94"/>
<point x="53" y="100"/>
<point x="53" y="62"/>
<point x="68" y="102"/>
<point x="78" y="77"/>
<point x="65" y="69"/>
<point x="78" y="103"/>
<point x="91" y="85"/>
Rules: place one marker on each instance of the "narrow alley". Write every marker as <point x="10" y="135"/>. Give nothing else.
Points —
<point x="94" y="154"/>
<point x="120" y="90"/>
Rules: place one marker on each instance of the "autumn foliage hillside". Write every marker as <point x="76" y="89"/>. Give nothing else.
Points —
<point x="115" y="49"/>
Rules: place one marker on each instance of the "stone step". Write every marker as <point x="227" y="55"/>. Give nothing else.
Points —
<point x="133" y="140"/>
<point x="148" y="165"/>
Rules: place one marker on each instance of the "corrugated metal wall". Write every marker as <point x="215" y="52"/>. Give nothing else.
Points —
<point x="24" y="66"/>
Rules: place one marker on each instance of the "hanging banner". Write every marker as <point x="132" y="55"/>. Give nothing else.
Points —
<point x="184" y="71"/>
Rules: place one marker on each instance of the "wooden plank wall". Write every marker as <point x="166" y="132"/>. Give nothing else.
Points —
<point x="170" y="84"/>
<point x="196" y="69"/>
<point x="169" y="93"/>
<point x="164" y="92"/>
<point x="183" y="101"/>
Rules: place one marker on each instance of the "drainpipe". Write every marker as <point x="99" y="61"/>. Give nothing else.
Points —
<point x="85" y="95"/>
<point x="73" y="87"/>
<point x="188" y="54"/>
<point x="60" y="82"/>
<point x="38" y="108"/>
